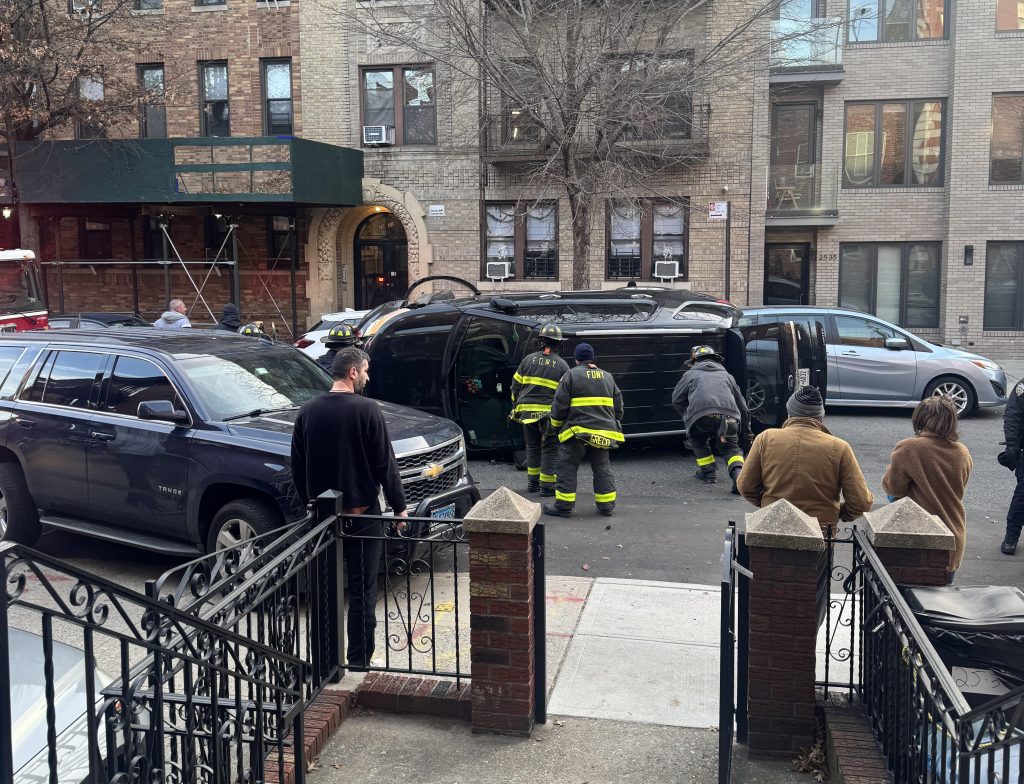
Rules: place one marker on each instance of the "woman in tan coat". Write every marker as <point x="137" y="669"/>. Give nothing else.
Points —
<point x="932" y="469"/>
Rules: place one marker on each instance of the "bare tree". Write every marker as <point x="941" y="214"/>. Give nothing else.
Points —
<point x="69" y="61"/>
<point x="597" y="98"/>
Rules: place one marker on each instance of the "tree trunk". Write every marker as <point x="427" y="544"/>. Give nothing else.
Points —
<point x="28" y="227"/>
<point x="579" y="206"/>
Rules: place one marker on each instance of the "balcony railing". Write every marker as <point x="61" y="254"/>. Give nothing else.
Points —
<point x="807" y="44"/>
<point x="802" y="190"/>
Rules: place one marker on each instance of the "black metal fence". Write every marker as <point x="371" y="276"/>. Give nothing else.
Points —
<point x="735" y="617"/>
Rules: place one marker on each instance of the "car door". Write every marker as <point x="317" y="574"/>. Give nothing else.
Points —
<point x="138" y="468"/>
<point x="867" y="370"/>
<point x="51" y="429"/>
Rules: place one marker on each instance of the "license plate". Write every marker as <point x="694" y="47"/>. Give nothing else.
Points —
<point x="446" y="512"/>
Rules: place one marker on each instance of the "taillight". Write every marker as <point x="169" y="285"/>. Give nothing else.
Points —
<point x="303" y="342"/>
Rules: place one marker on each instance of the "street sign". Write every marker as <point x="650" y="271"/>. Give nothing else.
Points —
<point x="718" y="210"/>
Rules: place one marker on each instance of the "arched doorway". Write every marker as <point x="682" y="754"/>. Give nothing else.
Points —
<point x="381" y="261"/>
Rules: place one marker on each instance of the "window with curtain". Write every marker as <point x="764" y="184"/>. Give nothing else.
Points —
<point x="1006" y="160"/>
<point x="524" y="236"/>
<point x="896" y="281"/>
<point x="642" y="233"/>
<point x="1004" y="286"/>
<point x="894" y="144"/>
<point x="896" y="20"/>
<point x="411" y="110"/>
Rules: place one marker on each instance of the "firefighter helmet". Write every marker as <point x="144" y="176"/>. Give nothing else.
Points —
<point x="254" y="329"/>
<point x="551" y="332"/>
<point x="697" y="353"/>
<point x="341" y="335"/>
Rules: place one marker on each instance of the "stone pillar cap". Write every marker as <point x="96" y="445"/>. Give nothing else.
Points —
<point x="906" y="525"/>
<point x="502" y="512"/>
<point x="783" y="526"/>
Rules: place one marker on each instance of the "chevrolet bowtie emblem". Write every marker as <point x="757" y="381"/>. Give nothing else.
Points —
<point x="432" y="471"/>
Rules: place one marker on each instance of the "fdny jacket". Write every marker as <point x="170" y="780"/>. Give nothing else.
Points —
<point x="588" y="406"/>
<point x="707" y="388"/>
<point x="1013" y="422"/>
<point x="534" y="385"/>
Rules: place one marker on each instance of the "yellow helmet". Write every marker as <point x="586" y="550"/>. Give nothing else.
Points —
<point x="252" y="330"/>
<point x="551" y="332"/>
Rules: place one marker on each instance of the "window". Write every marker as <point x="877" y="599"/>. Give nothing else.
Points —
<point x="893" y="144"/>
<point x="214" y="117"/>
<point x="278" y="238"/>
<point x="68" y="379"/>
<point x="149" y="5"/>
<point x="8" y="356"/>
<point x="1004" y="285"/>
<point x="96" y="238"/>
<point x="277" y="97"/>
<point x="215" y="232"/>
<point x="654" y="108"/>
<point x="415" y="120"/>
<point x="896" y="20"/>
<point x="897" y="281"/>
<point x="1007" y="156"/>
<point x="90" y="92"/>
<point x="640" y="234"/>
<point x="519" y="125"/>
<point x="1009" y="15"/>
<point x="136" y="381"/>
<point x="525" y="237"/>
<point x="861" y="332"/>
<point x="152" y="238"/>
<point x="209" y="2"/>
<point x="153" y="123"/>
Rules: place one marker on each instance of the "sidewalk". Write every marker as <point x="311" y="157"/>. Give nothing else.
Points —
<point x="633" y="697"/>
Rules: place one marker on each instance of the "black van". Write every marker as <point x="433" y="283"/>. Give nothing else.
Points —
<point x="456" y="357"/>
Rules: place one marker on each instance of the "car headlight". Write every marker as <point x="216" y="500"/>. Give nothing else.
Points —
<point x="984" y="364"/>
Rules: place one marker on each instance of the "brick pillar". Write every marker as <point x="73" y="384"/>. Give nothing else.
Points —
<point x="785" y="547"/>
<point x="501" y="612"/>
<point x="913" y="545"/>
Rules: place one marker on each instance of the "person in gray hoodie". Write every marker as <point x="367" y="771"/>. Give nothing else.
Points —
<point x="714" y="411"/>
<point x="174" y="317"/>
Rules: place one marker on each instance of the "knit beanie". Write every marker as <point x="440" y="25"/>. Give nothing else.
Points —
<point x="584" y="353"/>
<point x="806" y="402"/>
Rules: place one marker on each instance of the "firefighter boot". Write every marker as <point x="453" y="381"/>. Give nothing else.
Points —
<point x="734" y="474"/>
<point x="707" y="473"/>
<point x="532" y="480"/>
<point x="1009" y="545"/>
<point x="554" y="511"/>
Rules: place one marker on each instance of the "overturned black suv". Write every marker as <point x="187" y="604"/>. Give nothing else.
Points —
<point x="455" y="357"/>
<point x="179" y="441"/>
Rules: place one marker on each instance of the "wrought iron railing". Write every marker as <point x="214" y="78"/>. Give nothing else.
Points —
<point x="839" y="658"/>
<point x="732" y="673"/>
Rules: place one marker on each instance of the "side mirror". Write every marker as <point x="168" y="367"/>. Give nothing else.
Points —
<point x="161" y="411"/>
<point x="897" y="344"/>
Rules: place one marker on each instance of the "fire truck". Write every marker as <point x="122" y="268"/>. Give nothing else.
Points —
<point x="21" y="300"/>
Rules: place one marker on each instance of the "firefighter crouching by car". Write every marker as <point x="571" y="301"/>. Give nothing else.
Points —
<point x="341" y="336"/>
<point x="1013" y="458"/>
<point x="533" y="390"/>
<point x="587" y="411"/>
<point x="714" y="412"/>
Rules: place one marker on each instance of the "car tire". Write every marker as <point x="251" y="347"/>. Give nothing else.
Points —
<point x="239" y="520"/>
<point x="19" y="519"/>
<point x="959" y="390"/>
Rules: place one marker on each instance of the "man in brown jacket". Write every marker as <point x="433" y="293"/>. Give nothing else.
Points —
<point x="809" y="467"/>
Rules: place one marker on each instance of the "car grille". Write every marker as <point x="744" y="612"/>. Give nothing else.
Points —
<point x="418" y="489"/>
<point x="433" y="456"/>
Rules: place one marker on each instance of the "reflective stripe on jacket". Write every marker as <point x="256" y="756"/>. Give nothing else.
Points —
<point x="588" y="406"/>
<point x="534" y="385"/>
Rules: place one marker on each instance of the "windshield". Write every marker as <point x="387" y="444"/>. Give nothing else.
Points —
<point x="18" y="289"/>
<point x="265" y="378"/>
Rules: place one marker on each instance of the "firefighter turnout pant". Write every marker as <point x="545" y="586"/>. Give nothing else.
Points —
<point x="715" y="429"/>
<point x="541" y="455"/>
<point x="573" y="453"/>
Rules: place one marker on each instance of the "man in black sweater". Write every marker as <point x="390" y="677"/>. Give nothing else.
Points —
<point x="341" y="442"/>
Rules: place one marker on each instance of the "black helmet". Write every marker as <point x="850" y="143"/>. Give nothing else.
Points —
<point x="253" y="329"/>
<point x="340" y="336"/>
<point x="551" y="332"/>
<point x="697" y="353"/>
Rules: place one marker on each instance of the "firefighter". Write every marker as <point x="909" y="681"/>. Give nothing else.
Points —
<point x="1013" y="458"/>
<point x="587" y="411"/>
<point x="533" y="389"/>
<point x="253" y="329"/>
<point x="341" y="336"/>
<point x="714" y="412"/>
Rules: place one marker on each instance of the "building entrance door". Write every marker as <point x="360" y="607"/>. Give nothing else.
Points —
<point x="787" y="273"/>
<point x="381" y="261"/>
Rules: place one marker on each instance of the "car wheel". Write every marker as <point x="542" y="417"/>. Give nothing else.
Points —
<point x="756" y="397"/>
<point x="19" y="520"/>
<point x="239" y="521"/>
<point x="960" y="392"/>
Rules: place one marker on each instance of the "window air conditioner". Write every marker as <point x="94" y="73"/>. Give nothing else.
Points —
<point x="379" y="135"/>
<point x="666" y="269"/>
<point x="499" y="270"/>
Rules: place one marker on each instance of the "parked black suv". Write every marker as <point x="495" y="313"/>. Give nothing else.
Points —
<point x="178" y="441"/>
<point x="456" y="357"/>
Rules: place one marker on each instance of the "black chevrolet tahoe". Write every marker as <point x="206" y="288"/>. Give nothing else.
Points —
<point x="179" y="442"/>
<point x="455" y="357"/>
